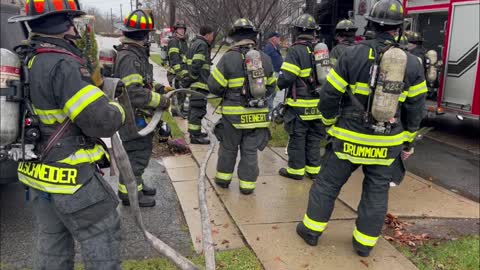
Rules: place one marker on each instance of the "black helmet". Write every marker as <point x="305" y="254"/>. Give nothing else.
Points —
<point x="179" y="24"/>
<point x="36" y="9"/>
<point x="414" y="37"/>
<point x="136" y="21"/>
<point x="305" y="22"/>
<point x="346" y="25"/>
<point x="386" y="12"/>
<point x="243" y="29"/>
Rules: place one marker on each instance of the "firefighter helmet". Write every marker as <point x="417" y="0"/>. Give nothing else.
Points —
<point x="179" y="24"/>
<point x="242" y="29"/>
<point x="305" y="22"/>
<point x="36" y="9"/>
<point x="136" y="21"/>
<point x="414" y="37"/>
<point x="386" y="12"/>
<point x="345" y="25"/>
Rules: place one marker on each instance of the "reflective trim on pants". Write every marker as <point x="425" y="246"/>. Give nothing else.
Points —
<point x="224" y="176"/>
<point x="300" y="172"/>
<point x="313" y="225"/>
<point x="247" y="185"/>
<point x="123" y="189"/>
<point x="364" y="239"/>
<point x="312" y="169"/>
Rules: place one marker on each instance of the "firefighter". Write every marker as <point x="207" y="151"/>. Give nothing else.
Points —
<point x="302" y="118"/>
<point x="71" y="200"/>
<point x="199" y="71"/>
<point x="345" y="37"/>
<point x="177" y="55"/>
<point x="415" y="44"/>
<point x="133" y="68"/>
<point x="357" y="139"/>
<point x="241" y="126"/>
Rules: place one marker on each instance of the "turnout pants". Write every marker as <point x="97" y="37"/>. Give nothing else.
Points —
<point x="139" y="151"/>
<point x="198" y="110"/>
<point x="248" y="141"/>
<point x="373" y="204"/>
<point x="89" y="216"/>
<point x="303" y="144"/>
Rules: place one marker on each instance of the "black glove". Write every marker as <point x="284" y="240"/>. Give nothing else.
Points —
<point x="159" y="89"/>
<point x="164" y="103"/>
<point x="120" y="89"/>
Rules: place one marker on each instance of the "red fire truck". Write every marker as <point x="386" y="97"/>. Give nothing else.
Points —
<point x="452" y="27"/>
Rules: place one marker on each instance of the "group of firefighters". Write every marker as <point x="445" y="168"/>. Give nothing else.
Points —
<point x="77" y="204"/>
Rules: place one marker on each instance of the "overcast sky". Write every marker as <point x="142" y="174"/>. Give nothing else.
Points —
<point x="105" y="5"/>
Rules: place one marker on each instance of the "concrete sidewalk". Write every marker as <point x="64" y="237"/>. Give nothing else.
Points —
<point x="266" y="220"/>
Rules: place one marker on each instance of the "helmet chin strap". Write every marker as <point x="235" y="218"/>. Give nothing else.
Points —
<point x="76" y="36"/>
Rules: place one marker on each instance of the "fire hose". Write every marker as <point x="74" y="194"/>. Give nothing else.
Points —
<point x="124" y="167"/>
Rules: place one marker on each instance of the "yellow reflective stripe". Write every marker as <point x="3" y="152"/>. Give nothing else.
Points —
<point x="310" y="117"/>
<point x="132" y="78"/>
<point x="303" y="103"/>
<point x="84" y="97"/>
<point x="370" y="54"/>
<point x="237" y="110"/>
<point x="47" y="187"/>
<point x="206" y="66"/>
<point x="30" y="63"/>
<point x="294" y="69"/>
<point x="177" y="67"/>
<point x="173" y="50"/>
<point x="86" y="156"/>
<point x="250" y="126"/>
<point x="247" y="185"/>
<point x="313" y="225"/>
<point x="123" y="189"/>
<point x="236" y="82"/>
<point x="360" y="88"/>
<point x="305" y="72"/>
<point x="329" y="122"/>
<point x="194" y="127"/>
<point x="50" y="117"/>
<point x="218" y="76"/>
<point x="272" y="80"/>
<point x="418" y="89"/>
<point x="371" y="140"/>
<point x="199" y="85"/>
<point x="155" y="100"/>
<point x="364" y="239"/>
<point x="300" y="172"/>
<point x="120" y="108"/>
<point x="403" y="96"/>
<point x="199" y="57"/>
<point x="366" y="161"/>
<point x="224" y="176"/>
<point x="336" y="81"/>
<point x="312" y="169"/>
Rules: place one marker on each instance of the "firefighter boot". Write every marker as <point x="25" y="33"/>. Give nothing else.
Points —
<point x="198" y="139"/>
<point x="283" y="172"/>
<point x="311" y="176"/>
<point x="245" y="191"/>
<point x="310" y="237"/>
<point x="222" y="183"/>
<point x="143" y="201"/>
<point x="361" y="250"/>
<point x="148" y="191"/>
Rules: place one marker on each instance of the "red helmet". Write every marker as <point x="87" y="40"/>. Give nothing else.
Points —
<point x="138" y="20"/>
<point x="36" y="9"/>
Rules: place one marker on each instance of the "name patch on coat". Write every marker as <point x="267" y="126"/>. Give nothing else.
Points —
<point x="48" y="173"/>
<point x="365" y="151"/>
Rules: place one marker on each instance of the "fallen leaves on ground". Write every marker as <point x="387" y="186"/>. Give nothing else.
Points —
<point x="364" y="263"/>
<point x="400" y="235"/>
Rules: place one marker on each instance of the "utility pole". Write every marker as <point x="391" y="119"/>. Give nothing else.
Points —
<point x="172" y="9"/>
<point x="136" y="5"/>
<point x="111" y="17"/>
<point x="131" y="6"/>
<point x="121" y="13"/>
